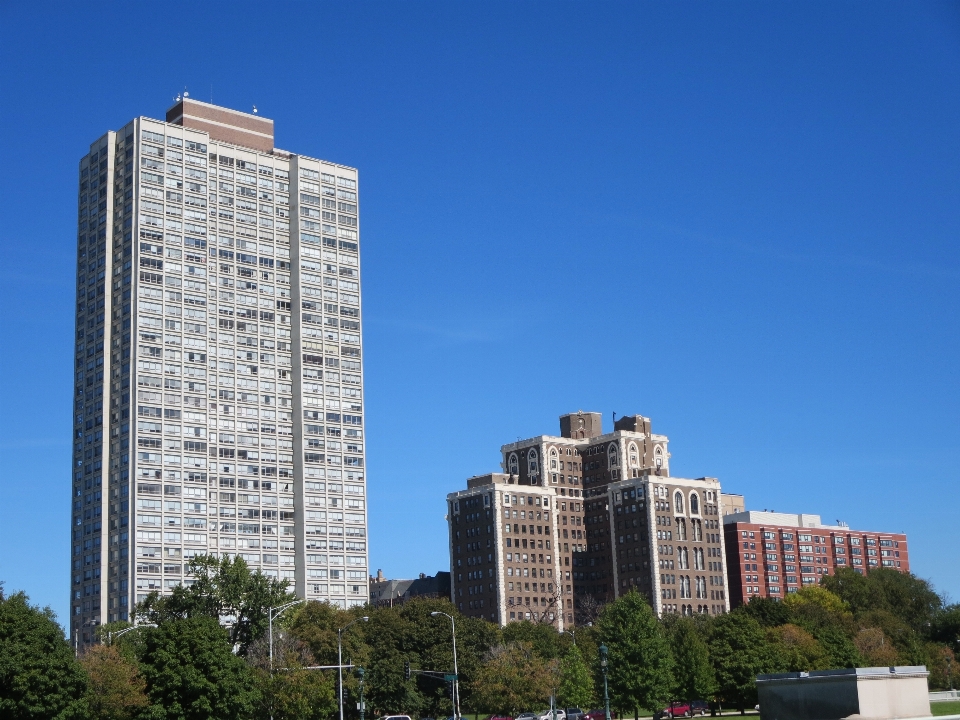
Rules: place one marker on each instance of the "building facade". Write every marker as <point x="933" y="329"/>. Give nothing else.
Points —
<point x="668" y="544"/>
<point x="387" y="593"/>
<point x="219" y="386"/>
<point x="575" y="488"/>
<point x="770" y="554"/>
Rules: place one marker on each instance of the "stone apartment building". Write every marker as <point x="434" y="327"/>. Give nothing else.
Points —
<point x="572" y="498"/>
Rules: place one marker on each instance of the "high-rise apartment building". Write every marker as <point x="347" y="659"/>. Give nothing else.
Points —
<point x="219" y="387"/>
<point x="770" y="554"/>
<point x="604" y="517"/>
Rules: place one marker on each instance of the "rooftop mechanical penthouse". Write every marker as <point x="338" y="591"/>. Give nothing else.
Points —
<point x="218" y="402"/>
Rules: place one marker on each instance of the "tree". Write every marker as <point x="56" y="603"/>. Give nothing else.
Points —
<point x="693" y="672"/>
<point x="115" y="688"/>
<point x="946" y="627"/>
<point x="841" y="652"/>
<point x="769" y="612"/>
<point x="640" y="667"/>
<point x="39" y="675"/>
<point x="575" y="688"/>
<point x="796" y="650"/>
<point x="222" y="587"/>
<point x="544" y="638"/>
<point x="191" y="672"/>
<point x="290" y="692"/>
<point x="909" y="598"/>
<point x="738" y="653"/>
<point x="875" y="647"/>
<point x="513" y="678"/>
<point x="815" y="595"/>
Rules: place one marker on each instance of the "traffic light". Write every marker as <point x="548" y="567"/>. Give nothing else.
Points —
<point x="406" y="671"/>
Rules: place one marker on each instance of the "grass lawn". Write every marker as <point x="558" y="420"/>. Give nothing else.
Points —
<point x="951" y="707"/>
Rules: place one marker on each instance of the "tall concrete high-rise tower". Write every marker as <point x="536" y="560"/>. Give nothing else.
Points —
<point x="218" y="403"/>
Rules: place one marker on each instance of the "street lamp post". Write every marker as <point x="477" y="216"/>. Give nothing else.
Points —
<point x="606" y="694"/>
<point x="340" y="658"/>
<point x="360" y="672"/>
<point x="271" y="614"/>
<point x="456" y="672"/>
<point x="571" y="633"/>
<point x="111" y="634"/>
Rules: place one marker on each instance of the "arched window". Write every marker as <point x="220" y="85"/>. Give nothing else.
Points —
<point x="634" y="455"/>
<point x="678" y="503"/>
<point x="697" y="530"/>
<point x="659" y="459"/>
<point x="685" y="586"/>
<point x="698" y="558"/>
<point x="513" y="465"/>
<point x="612" y="455"/>
<point x="553" y="459"/>
<point x="533" y="465"/>
<point x="681" y="529"/>
<point x="701" y="587"/>
<point x="684" y="559"/>
<point x="694" y="504"/>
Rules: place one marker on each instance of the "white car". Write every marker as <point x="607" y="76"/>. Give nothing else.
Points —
<point x="559" y="712"/>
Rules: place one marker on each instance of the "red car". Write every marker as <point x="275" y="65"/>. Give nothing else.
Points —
<point x="598" y="714"/>
<point x="684" y="709"/>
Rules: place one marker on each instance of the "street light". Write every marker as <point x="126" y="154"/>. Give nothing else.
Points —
<point x="340" y="657"/>
<point x="606" y="694"/>
<point x="76" y="634"/>
<point x="271" y="614"/>
<point x="456" y="673"/>
<point x="571" y="633"/>
<point x="360" y="672"/>
<point x="111" y="634"/>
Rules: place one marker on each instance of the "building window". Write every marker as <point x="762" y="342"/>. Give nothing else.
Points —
<point x="694" y="504"/>
<point x="513" y="464"/>
<point x="678" y="503"/>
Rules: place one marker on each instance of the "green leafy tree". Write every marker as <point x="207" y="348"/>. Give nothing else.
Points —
<point x="738" y="653"/>
<point x="575" y="688"/>
<point x="116" y="690"/>
<point x="796" y="650"/>
<point x="693" y="672"/>
<point x="767" y="611"/>
<point x="946" y="627"/>
<point x="222" y="587"/>
<point x="910" y="599"/>
<point x="514" y="678"/>
<point x="841" y="652"/>
<point x="191" y="672"/>
<point x="640" y="668"/>
<point x="543" y="637"/>
<point x="39" y="675"/>
<point x="290" y="691"/>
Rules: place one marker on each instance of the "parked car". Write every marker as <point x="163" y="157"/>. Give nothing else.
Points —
<point x="574" y="713"/>
<point x="556" y="714"/>
<point x="596" y="714"/>
<point x="527" y="716"/>
<point x="684" y="709"/>
<point x="395" y="717"/>
<point x="499" y="717"/>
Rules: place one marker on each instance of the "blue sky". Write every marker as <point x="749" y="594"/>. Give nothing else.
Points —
<point x="738" y="219"/>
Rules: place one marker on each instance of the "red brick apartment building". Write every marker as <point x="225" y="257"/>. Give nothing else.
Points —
<point x="770" y="554"/>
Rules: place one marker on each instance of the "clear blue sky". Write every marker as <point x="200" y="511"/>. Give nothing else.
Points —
<point x="739" y="219"/>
